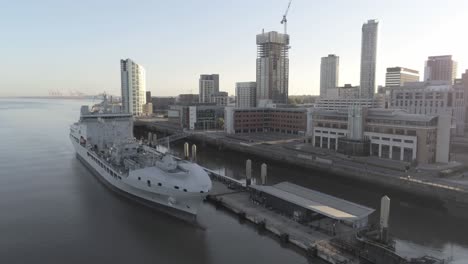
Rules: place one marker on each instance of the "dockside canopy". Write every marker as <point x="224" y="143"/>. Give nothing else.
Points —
<point x="318" y="202"/>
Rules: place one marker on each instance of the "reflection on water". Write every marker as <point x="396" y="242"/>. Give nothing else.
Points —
<point x="420" y="226"/>
<point x="54" y="211"/>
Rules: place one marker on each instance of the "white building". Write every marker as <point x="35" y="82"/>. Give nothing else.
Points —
<point x="272" y="67"/>
<point x="398" y="76"/>
<point x="345" y="103"/>
<point x="246" y="94"/>
<point x="329" y="73"/>
<point x="208" y="85"/>
<point x="133" y="85"/>
<point x="368" y="58"/>
<point x="431" y="98"/>
<point x="147" y="109"/>
<point x="390" y="134"/>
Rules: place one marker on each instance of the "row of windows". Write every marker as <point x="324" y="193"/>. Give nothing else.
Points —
<point x="394" y="139"/>
<point x="332" y="125"/>
<point x="438" y="95"/>
<point x="331" y="132"/>
<point x="415" y="103"/>
<point x="254" y="130"/>
<point x="390" y="130"/>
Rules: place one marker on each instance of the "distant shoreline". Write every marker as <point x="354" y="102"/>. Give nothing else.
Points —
<point x="51" y="97"/>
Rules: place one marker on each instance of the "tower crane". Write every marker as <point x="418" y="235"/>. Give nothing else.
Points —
<point x="284" y="20"/>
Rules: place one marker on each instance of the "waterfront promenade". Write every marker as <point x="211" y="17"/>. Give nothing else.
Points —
<point x="425" y="180"/>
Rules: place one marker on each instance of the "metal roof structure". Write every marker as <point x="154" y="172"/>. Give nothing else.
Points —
<point x="318" y="202"/>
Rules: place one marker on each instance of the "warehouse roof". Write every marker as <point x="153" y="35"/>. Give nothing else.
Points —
<point x="318" y="202"/>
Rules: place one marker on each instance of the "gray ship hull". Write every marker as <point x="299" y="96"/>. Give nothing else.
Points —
<point x="188" y="217"/>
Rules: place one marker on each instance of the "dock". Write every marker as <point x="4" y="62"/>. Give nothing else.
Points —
<point x="322" y="226"/>
<point x="422" y="181"/>
<point x="313" y="242"/>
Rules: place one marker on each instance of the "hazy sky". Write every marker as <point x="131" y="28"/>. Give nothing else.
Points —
<point x="77" y="45"/>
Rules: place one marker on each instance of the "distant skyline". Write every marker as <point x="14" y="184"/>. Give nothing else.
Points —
<point x="78" y="45"/>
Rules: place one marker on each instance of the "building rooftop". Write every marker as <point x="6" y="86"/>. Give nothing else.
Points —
<point x="318" y="202"/>
<point x="379" y="114"/>
<point x="272" y="37"/>
<point x="398" y="69"/>
<point x="397" y="114"/>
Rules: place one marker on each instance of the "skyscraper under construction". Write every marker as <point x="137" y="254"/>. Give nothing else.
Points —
<point x="272" y="68"/>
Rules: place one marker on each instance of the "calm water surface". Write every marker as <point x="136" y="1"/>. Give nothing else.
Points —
<point x="52" y="209"/>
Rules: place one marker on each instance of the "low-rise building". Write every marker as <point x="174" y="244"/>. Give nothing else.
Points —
<point x="187" y="99"/>
<point x="384" y="133"/>
<point x="197" y="116"/>
<point x="392" y="134"/>
<point x="266" y="119"/>
<point x="147" y="109"/>
<point x="345" y="103"/>
<point x="220" y="98"/>
<point x="431" y="98"/>
<point x="162" y="103"/>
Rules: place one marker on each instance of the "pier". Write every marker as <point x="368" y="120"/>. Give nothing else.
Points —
<point x="423" y="182"/>
<point x="320" y="225"/>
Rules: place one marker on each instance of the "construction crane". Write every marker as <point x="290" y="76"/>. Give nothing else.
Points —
<point x="285" y="21"/>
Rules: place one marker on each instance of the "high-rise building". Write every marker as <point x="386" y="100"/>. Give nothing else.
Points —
<point x="398" y="76"/>
<point x="464" y="81"/>
<point x="440" y="68"/>
<point x="246" y="94"/>
<point x="329" y="73"/>
<point x="133" y="84"/>
<point x="148" y="97"/>
<point x="272" y="67"/>
<point x="208" y="85"/>
<point x="368" y="58"/>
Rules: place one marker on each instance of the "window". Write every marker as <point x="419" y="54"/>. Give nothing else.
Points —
<point x="185" y="190"/>
<point x="408" y="141"/>
<point x="386" y="139"/>
<point x="396" y="140"/>
<point x="176" y="187"/>
<point x="149" y="183"/>
<point x="159" y="184"/>
<point x="139" y="178"/>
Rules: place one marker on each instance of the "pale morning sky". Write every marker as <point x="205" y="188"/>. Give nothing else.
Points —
<point x="77" y="45"/>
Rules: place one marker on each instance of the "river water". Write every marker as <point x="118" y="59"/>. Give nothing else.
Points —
<point x="53" y="210"/>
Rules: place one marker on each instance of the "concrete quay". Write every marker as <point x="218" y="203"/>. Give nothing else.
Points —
<point x="452" y="193"/>
<point x="314" y="243"/>
<point x="316" y="239"/>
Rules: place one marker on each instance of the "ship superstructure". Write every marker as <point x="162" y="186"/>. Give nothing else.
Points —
<point x="104" y="142"/>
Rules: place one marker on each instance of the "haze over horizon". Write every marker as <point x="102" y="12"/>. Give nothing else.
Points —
<point x="77" y="46"/>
